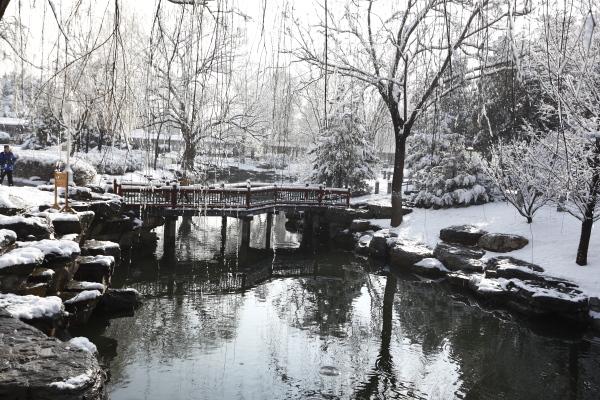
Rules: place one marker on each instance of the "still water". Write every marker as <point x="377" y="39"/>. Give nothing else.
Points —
<point x="321" y="326"/>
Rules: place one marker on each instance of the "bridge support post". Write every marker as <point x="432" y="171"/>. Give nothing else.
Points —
<point x="269" y="229"/>
<point x="170" y="233"/>
<point x="313" y="232"/>
<point x="246" y="222"/>
<point x="307" y="231"/>
<point x="223" y="234"/>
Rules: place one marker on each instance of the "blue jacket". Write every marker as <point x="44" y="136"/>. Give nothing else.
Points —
<point x="7" y="160"/>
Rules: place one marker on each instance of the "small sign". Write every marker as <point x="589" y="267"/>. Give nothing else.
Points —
<point x="61" y="179"/>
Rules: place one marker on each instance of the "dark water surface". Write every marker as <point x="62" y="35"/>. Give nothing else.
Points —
<point x="323" y="326"/>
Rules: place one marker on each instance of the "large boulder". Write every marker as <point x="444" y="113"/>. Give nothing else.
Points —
<point x="509" y="267"/>
<point x="60" y="256"/>
<point x="496" y="290"/>
<point x="13" y="205"/>
<point x="462" y="234"/>
<point x="44" y="167"/>
<point x="35" y="366"/>
<point x="45" y="313"/>
<point x="404" y="254"/>
<point x="80" y="305"/>
<point x="102" y="248"/>
<point x="25" y="228"/>
<point x="21" y="261"/>
<point x="119" y="302"/>
<point x="501" y="242"/>
<point x="96" y="269"/>
<point x="459" y="258"/>
<point x="65" y="224"/>
<point x="378" y="247"/>
<point x="549" y="297"/>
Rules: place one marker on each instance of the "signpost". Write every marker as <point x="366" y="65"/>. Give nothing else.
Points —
<point x="61" y="180"/>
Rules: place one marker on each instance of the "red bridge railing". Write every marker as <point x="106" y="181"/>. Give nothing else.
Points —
<point x="240" y="196"/>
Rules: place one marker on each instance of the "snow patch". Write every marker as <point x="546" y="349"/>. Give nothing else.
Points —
<point x="30" y="307"/>
<point x="62" y="248"/>
<point x="74" y="382"/>
<point x="21" y="256"/>
<point x="84" y="296"/>
<point x="432" y="263"/>
<point x="85" y="344"/>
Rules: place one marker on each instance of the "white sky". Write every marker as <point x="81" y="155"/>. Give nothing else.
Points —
<point x="43" y="33"/>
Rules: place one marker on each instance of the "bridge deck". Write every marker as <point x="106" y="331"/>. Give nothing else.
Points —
<point x="231" y="200"/>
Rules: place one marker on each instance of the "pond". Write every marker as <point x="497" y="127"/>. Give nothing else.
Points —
<point x="328" y="325"/>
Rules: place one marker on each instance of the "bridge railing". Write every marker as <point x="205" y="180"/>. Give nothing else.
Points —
<point x="229" y="197"/>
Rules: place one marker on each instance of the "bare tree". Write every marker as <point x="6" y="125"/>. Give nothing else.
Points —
<point x="192" y="85"/>
<point x="567" y="56"/>
<point x="525" y="173"/>
<point x="403" y="53"/>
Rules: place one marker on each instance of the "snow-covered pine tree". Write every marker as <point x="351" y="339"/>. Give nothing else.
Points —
<point x="343" y="155"/>
<point x="442" y="172"/>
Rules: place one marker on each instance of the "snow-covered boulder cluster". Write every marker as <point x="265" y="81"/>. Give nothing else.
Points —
<point x="43" y="166"/>
<point x="460" y="258"/>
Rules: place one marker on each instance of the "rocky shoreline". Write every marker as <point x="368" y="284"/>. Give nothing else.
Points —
<point x="501" y="281"/>
<point x="53" y="276"/>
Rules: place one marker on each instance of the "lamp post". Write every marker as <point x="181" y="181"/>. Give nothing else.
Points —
<point x="68" y="111"/>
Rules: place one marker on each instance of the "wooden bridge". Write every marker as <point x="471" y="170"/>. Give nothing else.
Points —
<point x="241" y="201"/>
<point x="237" y="200"/>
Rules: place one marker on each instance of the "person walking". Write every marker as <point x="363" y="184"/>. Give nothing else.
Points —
<point x="7" y="162"/>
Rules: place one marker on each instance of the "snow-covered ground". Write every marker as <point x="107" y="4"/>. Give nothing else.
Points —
<point x="553" y="236"/>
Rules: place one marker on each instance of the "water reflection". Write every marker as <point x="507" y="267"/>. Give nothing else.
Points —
<point x="323" y="326"/>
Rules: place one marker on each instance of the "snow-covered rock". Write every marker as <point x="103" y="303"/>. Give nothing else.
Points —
<point x="405" y="254"/>
<point x="119" y="302"/>
<point x="54" y="250"/>
<point x="38" y="367"/>
<point x="509" y="267"/>
<point x="456" y="257"/>
<point x="430" y="267"/>
<point x="501" y="242"/>
<point x="462" y="234"/>
<point x="21" y="261"/>
<point x="40" y="228"/>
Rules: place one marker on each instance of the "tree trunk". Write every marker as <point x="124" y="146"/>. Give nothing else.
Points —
<point x="3" y="5"/>
<point x="397" y="179"/>
<point x="584" y="241"/>
<point x="588" y="218"/>
<point x="189" y="154"/>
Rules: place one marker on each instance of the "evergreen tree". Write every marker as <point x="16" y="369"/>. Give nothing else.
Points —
<point x="343" y="156"/>
<point x="443" y="174"/>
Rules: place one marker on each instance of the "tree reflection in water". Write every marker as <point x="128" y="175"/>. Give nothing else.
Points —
<point x="350" y="335"/>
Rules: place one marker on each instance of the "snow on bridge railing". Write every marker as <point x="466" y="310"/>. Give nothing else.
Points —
<point x="236" y="196"/>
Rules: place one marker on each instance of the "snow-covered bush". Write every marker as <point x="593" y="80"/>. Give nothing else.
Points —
<point x="114" y="161"/>
<point x="43" y="164"/>
<point x="4" y="137"/>
<point x="442" y="172"/>
<point x="343" y="156"/>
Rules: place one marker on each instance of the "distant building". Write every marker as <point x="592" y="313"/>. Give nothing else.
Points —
<point x="17" y="128"/>
<point x="147" y="140"/>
